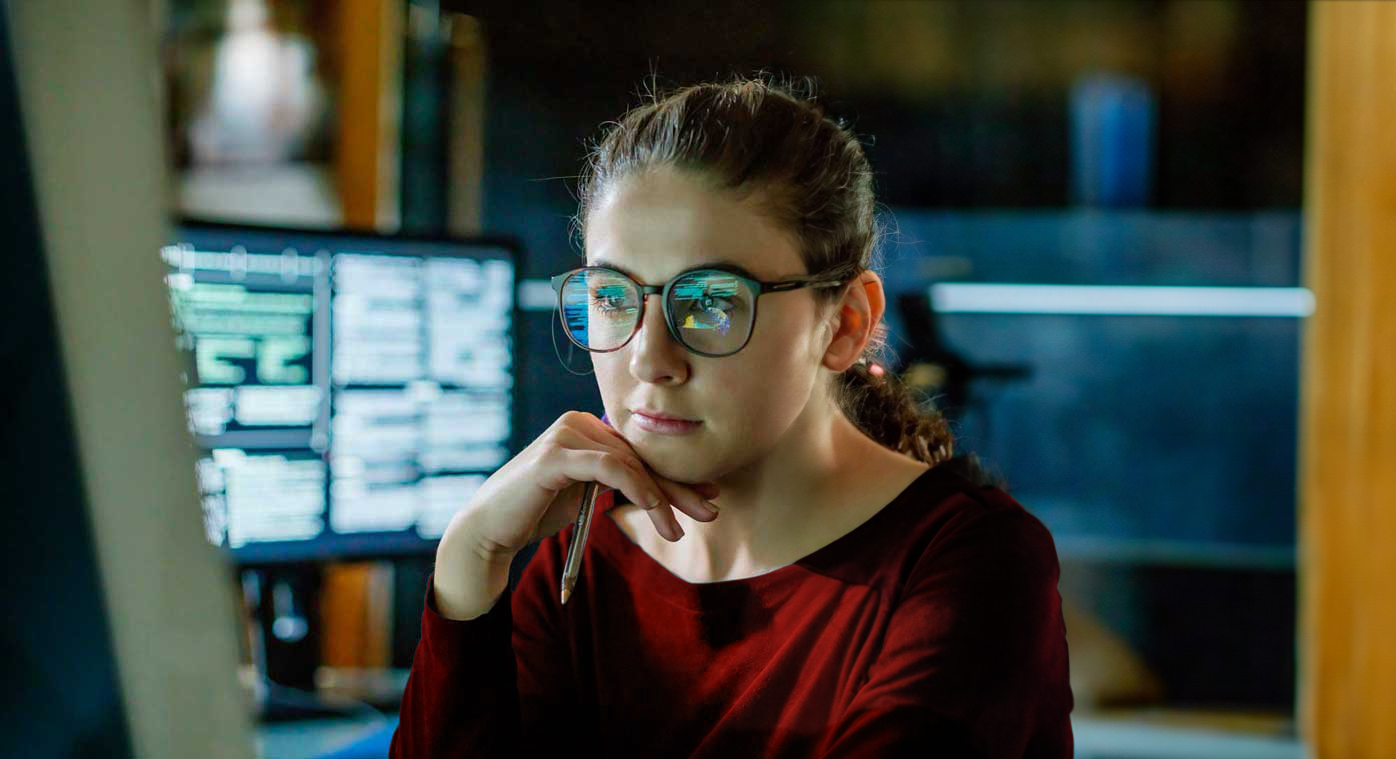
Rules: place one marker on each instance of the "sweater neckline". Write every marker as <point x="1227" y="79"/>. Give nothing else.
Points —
<point x="648" y="574"/>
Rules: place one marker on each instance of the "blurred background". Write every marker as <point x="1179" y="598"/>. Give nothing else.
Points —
<point x="1094" y="270"/>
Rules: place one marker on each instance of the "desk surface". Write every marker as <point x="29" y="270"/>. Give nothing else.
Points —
<point x="310" y="739"/>
<point x="1097" y="737"/>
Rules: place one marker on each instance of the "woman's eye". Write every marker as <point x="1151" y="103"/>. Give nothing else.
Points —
<point x="709" y="301"/>
<point x="608" y="304"/>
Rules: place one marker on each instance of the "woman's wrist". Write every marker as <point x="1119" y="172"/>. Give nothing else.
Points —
<point x="470" y="576"/>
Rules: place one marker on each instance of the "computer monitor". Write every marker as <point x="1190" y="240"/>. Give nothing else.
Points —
<point x="120" y="628"/>
<point x="348" y="391"/>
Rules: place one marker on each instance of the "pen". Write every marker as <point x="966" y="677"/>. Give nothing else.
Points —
<point x="579" y="533"/>
<point x="579" y="539"/>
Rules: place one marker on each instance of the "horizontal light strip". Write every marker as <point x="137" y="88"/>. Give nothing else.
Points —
<point x="536" y="295"/>
<point x="965" y="297"/>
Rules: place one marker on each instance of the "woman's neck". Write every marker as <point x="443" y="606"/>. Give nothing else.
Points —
<point x="790" y="504"/>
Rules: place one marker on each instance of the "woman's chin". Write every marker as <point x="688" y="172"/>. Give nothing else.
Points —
<point x="679" y="466"/>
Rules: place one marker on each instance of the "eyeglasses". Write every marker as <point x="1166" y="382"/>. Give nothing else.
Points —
<point x="711" y="312"/>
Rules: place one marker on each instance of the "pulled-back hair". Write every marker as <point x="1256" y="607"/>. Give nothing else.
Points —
<point x="759" y="137"/>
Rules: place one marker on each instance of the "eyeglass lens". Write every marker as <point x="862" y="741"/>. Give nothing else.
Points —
<point x="711" y="310"/>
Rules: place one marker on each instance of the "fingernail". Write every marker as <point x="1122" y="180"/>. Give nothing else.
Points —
<point x="710" y="506"/>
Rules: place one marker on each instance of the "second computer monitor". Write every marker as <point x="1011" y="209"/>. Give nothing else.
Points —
<point x="348" y="392"/>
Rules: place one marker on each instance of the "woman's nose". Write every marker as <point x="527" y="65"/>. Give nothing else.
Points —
<point x="652" y="327"/>
<point x="655" y="354"/>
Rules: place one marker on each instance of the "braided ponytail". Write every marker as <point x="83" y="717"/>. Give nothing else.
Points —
<point x="887" y="410"/>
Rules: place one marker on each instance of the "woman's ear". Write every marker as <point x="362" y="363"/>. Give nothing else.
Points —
<point x="858" y="315"/>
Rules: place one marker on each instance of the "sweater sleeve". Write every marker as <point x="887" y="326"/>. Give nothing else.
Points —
<point x="974" y="661"/>
<point x="499" y="685"/>
<point x="461" y="697"/>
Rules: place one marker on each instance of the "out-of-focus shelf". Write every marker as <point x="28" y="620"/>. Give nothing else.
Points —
<point x="350" y="693"/>
<point x="1176" y="553"/>
<point x="1165" y="733"/>
<point x="374" y="686"/>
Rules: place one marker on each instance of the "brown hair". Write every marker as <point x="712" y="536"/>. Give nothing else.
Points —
<point x="759" y="136"/>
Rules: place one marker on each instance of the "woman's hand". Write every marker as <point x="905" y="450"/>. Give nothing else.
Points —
<point x="538" y="492"/>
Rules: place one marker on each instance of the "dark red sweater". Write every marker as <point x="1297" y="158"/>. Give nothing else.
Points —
<point x="932" y="629"/>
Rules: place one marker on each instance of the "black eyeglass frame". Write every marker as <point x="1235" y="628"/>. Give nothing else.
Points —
<point x="797" y="282"/>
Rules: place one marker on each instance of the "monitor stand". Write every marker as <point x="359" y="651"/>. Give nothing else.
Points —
<point x="283" y="603"/>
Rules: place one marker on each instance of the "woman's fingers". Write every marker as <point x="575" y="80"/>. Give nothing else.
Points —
<point x="690" y="498"/>
<point x="693" y="505"/>
<point x="708" y="490"/>
<point x="615" y="470"/>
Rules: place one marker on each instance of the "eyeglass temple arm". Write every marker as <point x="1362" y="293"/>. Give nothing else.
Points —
<point x="771" y="287"/>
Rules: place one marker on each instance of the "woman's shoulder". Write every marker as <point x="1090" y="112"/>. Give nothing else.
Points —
<point x="970" y="468"/>
<point x="947" y="517"/>
<point x="973" y="518"/>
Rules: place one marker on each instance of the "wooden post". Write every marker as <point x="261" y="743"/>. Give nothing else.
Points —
<point x="369" y="38"/>
<point x="465" y="140"/>
<point x="1347" y="468"/>
<point x="356" y="612"/>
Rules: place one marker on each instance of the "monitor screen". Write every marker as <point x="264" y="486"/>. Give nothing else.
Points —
<point x="347" y="392"/>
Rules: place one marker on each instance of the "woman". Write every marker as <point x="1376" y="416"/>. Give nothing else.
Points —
<point x="850" y="592"/>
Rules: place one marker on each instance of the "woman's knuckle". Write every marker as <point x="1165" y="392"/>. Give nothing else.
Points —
<point x="550" y="444"/>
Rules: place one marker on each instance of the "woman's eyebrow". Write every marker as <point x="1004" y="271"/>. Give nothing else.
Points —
<point x="727" y="266"/>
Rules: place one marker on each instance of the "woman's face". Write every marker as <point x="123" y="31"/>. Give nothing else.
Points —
<point x="654" y="226"/>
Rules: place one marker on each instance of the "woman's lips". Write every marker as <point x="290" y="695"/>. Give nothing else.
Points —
<point x="663" y="426"/>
